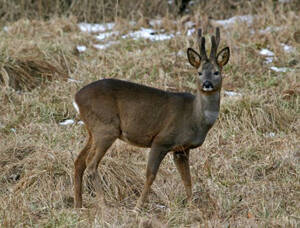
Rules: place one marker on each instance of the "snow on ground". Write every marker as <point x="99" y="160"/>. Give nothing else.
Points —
<point x="280" y="69"/>
<point x="105" y="35"/>
<point x="270" y="134"/>
<point x="287" y="48"/>
<point x="93" y="28"/>
<point x="147" y="33"/>
<point x="266" y="52"/>
<point x="81" y="48"/>
<point x="269" y="60"/>
<point x="70" y="122"/>
<point x="270" y="57"/>
<point x="67" y="122"/>
<point x="190" y="31"/>
<point x="231" y="21"/>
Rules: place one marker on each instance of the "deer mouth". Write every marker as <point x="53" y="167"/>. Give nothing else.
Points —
<point x="207" y="86"/>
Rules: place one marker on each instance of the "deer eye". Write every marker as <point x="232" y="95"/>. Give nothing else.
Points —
<point x="200" y="73"/>
<point x="216" y="73"/>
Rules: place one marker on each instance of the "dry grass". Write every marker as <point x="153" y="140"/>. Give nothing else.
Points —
<point x="109" y="10"/>
<point x="246" y="174"/>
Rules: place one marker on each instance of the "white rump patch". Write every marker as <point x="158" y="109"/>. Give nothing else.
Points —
<point x="76" y="107"/>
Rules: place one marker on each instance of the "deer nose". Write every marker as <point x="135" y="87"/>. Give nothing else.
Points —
<point x="207" y="86"/>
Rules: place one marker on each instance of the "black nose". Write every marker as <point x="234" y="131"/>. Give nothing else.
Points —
<point x="207" y="85"/>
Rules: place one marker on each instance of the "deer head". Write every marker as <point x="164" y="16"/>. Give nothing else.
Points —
<point x="209" y="69"/>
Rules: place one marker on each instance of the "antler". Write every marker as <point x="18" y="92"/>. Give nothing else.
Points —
<point x="215" y="41"/>
<point x="201" y="43"/>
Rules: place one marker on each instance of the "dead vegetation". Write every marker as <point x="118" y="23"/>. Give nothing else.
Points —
<point x="245" y="175"/>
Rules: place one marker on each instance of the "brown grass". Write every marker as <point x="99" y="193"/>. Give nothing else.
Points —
<point x="246" y="174"/>
<point x="103" y="11"/>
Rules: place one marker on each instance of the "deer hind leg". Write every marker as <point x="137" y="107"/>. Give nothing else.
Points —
<point x="155" y="157"/>
<point x="100" y="145"/>
<point x="80" y="167"/>
<point x="181" y="160"/>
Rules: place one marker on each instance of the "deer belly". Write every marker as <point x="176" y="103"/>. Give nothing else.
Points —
<point x="136" y="139"/>
<point x="198" y="141"/>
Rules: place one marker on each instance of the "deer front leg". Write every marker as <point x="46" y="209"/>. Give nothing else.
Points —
<point x="156" y="155"/>
<point x="181" y="160"/>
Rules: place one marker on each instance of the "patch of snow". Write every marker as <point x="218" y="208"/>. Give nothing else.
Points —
<point x="266" y="52"/>
<point x="87" y="27"/>
<point x="105" y="35"/>
<point x="279" y="69"/>
<point x="190" y="31"/>
<point x="67" y="122"/>
<point x="232" y="93"/>
<point x="270" y="134"/>
<point x="230" y="21"/>
<point x="287" y="48"/>
<point x="160" y="206"/>
<point x="147" y="33"/>
<point x="269" y="60"/>
<point x="104" y="46"/>
<point x="13" y="130"/>
<point x="80" y="122"/>
<point x="170" y="2"/>
<point x="5" y="28"/>
<point x="81" y="48"/>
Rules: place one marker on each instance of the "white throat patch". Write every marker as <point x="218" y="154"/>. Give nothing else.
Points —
<point x="210" y="116"/>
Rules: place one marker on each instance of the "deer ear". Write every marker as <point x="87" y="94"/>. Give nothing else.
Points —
<point x="223" y="57"/>
<point x="194" y="57"/>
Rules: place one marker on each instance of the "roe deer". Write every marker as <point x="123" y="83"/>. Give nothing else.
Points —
<point x="147" y="117"/>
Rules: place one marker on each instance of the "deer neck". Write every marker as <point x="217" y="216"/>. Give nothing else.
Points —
<point x="206" y="108"/>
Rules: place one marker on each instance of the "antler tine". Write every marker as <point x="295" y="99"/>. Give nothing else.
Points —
<point x="202" y="49"/>
<point x="201" y="43"/>
<point x="217" y="37"/>
<point x="215" y="41"/>
<point x="199" y="38"/>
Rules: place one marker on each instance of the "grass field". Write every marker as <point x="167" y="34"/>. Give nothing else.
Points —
<point x="246" y="174"/>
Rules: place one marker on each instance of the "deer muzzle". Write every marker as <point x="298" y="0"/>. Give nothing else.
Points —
<point x="207" y="86"/>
